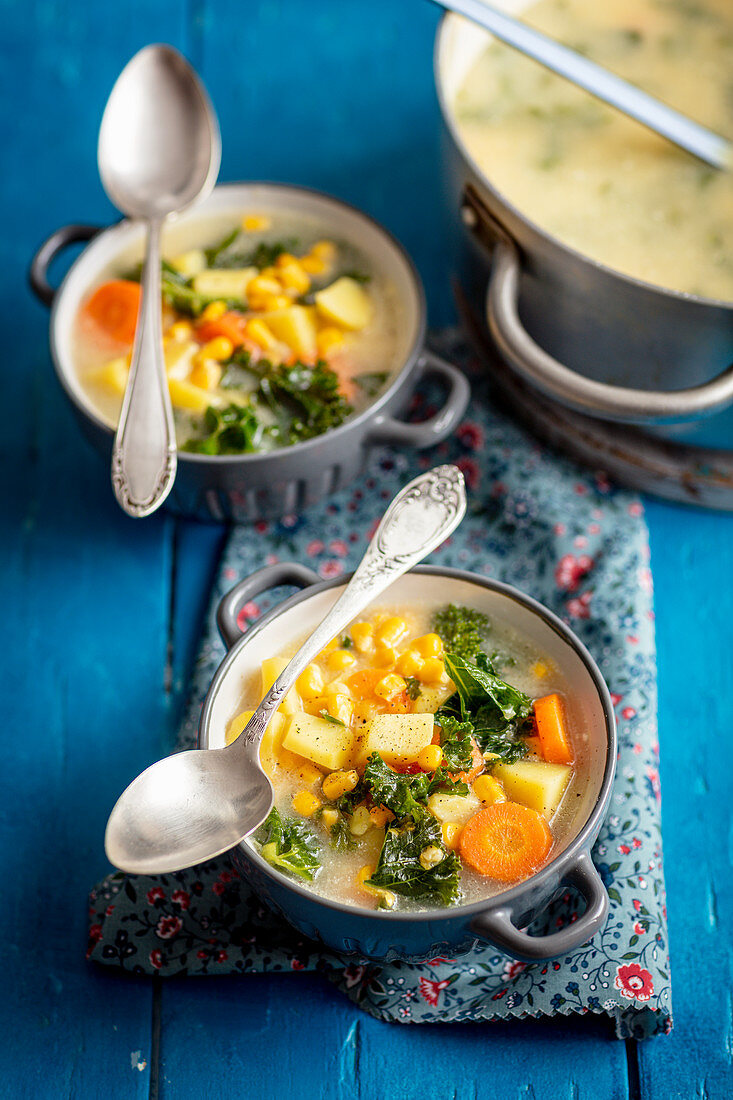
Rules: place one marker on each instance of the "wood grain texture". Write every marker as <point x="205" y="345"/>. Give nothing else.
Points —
<point x="102" y="613"/>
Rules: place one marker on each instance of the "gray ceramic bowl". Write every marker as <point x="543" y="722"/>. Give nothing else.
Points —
<point x="500" y="919"/>
<point x="243" y="488"/>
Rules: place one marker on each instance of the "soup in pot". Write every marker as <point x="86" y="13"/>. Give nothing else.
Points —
<point x="597" y="180"/>
<point x="427" y="757"/>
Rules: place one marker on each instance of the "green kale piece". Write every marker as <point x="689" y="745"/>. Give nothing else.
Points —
<point x="501" y="715"/>
<point x="404" y="795"/>
<point x="455" y="741"/>
<point x="234" y="251"/>
<point x="342" y="839"/>
<point x="372" y="382"/>
<point x="346" y="642"/>
<point x="288" y="845"/>
<point x="442" y="780"/>
<point x="357" y="276"/>
<point x="414" y="691"/>
<point x="330" y="718"/>
<point x="305" y="401"/>
<point x="399" y="868"/>
<point x="462" y="630"/>
<point x="232" y="430"/>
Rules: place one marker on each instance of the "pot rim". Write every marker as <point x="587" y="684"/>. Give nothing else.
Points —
<point x="448" y="116"/>
<point x="372" y="409"/>
<point x="585" y="837"/>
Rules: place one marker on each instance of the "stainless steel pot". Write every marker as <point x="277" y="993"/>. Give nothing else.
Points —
<point x="244" y="488"/>
<point x="500" y="919"/>
<point x="589" y="337"/>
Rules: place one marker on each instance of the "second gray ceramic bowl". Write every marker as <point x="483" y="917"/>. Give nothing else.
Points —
<point x="244" y="488"/>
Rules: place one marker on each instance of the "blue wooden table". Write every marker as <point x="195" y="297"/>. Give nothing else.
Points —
<point x="100" y="613"/>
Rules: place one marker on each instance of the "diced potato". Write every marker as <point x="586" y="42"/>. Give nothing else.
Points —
<point x="346" y="303"/>
<point x="112" y="375"/>
<point x="534" y="783"/>
<point x="271" y="669"/>
<point x="454" y="807"/>
<point x="296" y="327"/>
<point x="397" y="738"/>
<point x="189" y="263"/>
<point x="224" y="283"/>
<point x="185" y="395"/>
<point x="272" y="737"/>
<point x="431" y="697"/>
<point x="178" y="355"/>
<point x="325" y="743"/>
<point x="277" y="762"/>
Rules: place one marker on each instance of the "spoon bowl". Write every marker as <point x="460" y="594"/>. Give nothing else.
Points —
<point x="197" y="804"/>
<point x="159" y="151"/>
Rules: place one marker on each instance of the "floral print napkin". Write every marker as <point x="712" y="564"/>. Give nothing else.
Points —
<point x="575" y="543"/>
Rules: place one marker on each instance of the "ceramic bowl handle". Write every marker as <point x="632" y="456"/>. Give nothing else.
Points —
<point x="498" y="926"/>
<point x="49" y="250"/>
<point x="559" y="382"/>
<point x="387" y="429"/>
<point x="272" y="576"/>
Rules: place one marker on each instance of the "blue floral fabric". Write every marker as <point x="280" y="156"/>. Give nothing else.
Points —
<point x="578" y="545"/>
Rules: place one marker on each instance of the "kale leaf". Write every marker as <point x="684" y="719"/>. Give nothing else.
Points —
<point x="500" y="715"/>
<point x="232" y="430"/>
<point x="288" y="845"/>
<point x="305" y="401"/>
<point x="455" y="741"/>
<point x="399" y="867"/>
<point x="414" y="691"/>
<point x="342" y="839"/>
<point x="234" y="251"/>
<point x="462" y="630"/>
<point x="404" y="795"/>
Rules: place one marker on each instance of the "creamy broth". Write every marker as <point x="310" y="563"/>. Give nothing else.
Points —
<point x="363" y="356"/>
<point x="518" y="662"/>
<point x="584" y="172"/>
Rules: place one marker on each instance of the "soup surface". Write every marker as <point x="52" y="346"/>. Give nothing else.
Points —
<point x="273" y="333"/>
<point x="408" y="773"/>
<point x="599" y="181"/>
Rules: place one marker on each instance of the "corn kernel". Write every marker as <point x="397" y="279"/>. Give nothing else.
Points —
<point x="340" y="659"/>
<point x="364" y="874"/>
<point x="339" y="687"/>
<point x="259" y="284"/>
<point x="206" y="373"/>
<point x="429" y="645"/>
<point x="341" y="708"/>
<point x="489" y="790"/>
<point x="380" y="815"/>
<point x="430" y="757"/>
<point x="309" y="773"/>
<point x="451" y="831"/>
<point x="391" y="631"/>
<point x="329" y="338"/>
<point x="362" y="635"/>
<point x="324" y="250"/>
<point x="329" y="818"/>
<point x="540" y="669"/>
<point x="181" y="330"/>
<point x="313" y="265"/>
<point x="338" y="783"/>
<point x="310" y="682"/>
<point x="220" y="348"/>
<point x="431" y="856"/>
<point x="267" y="303"/>
<point x="292" y="276"/>
<point x="329" y="648"/>
<point x="389" y="686"/>
<point x="384" y="657"/>
<point x="360" y="822"/>
<point x="257" y="330"/>
<point x="214" y="311"/>
<point x="251" y="223"/>
<point x="432" y="671"/>
<point x="409" y="663"/>
<point x="306" y="804"/>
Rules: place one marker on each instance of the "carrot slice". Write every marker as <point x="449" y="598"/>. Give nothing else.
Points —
<point x="506" y="841"/>
<point x="363" y="683"/>
<point x="113" y="308"/>
<point x="231" y="325"/>
<point x="477" y="765"/>
<point x="550" y="717"/>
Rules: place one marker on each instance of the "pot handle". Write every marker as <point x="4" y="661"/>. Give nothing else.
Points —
<point x="583" y="394"/>
<point x="272" y="576"/>
<point x="387" y="429"/>
<point x="47" y="253"/>
<point x="497" y="925"/>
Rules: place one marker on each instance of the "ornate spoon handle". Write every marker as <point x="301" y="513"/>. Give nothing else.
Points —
<point x="144" y="454"/>
<point x="418" y="520"/>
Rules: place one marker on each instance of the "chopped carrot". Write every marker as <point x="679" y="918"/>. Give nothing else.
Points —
<point x="477" y="765"/>
<point x="231" y="325"/>
<point x="398" y="704"/>
<point x="506" y="841"/>
<point x="363" y="683"/>
<point x="550" y="717"/>
<point x="113" y="308"/>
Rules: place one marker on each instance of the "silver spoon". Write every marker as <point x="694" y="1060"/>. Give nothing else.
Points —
<point x="194" y="805"/>
<point x="159" y="151"/>
<point x="689" y="135"/>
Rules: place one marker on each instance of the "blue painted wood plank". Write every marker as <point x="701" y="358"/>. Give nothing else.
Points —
<point x="692" y="561"/>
